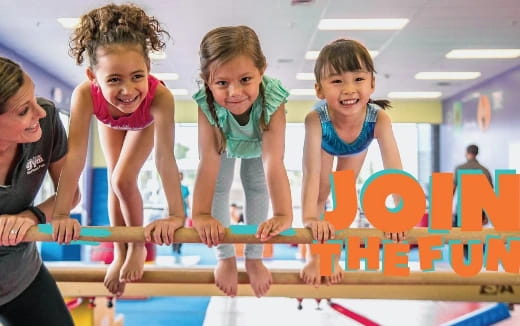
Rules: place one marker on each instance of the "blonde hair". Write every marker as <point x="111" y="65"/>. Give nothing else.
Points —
<point x="218" y="47"/>
<point x="11" y="80"/>
<point x="344" y="55"/>
<point x="115" y="24"/>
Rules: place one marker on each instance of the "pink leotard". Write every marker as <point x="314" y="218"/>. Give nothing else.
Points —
<point x="139" y="119"/>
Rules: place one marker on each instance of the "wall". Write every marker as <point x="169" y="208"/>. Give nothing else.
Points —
<point x="500" y="142"/>
<point x="402" y="111"/>
<point x="44" y="81"/>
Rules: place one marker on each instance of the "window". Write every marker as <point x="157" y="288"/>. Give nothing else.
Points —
<point x="413" y="141"/>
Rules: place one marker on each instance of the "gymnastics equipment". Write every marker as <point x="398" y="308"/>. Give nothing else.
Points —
<point x="85" y="281"/>
<point x="296" y="235"/>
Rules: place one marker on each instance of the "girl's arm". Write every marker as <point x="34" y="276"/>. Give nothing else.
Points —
<point x="211" y="232"/>
<point x="390" y="154"/>
<point x="273" y="147"/>
<point x="387" y="144"/>
<point x="163" y="109"/>
<point x="312" y="165"/>
<point x="311" y="168"/>
<point x="80" y="114"/>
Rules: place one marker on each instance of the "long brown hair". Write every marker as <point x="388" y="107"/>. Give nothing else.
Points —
<point x="11" y="80"/>
<point x="115" y="24"/>
<point x="221" y="45"/>
<point x="345" y="55"/>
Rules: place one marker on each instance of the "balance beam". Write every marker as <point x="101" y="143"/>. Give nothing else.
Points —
<point x="442" y="285"/>
<point x="301" y="235"/>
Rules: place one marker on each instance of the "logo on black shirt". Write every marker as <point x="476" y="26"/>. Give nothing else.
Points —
<point x="34" y="164"/>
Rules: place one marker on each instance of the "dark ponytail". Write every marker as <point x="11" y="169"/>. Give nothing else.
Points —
<point x="384" y="104"/>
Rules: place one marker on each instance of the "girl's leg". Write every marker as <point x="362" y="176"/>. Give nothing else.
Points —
<point x="257" y="199"/>
<point x="345" y="163"/>
<point x="137" y="146"/>
<point x="351" y="163"/>
<point x="226" y="277"/>
<point x="40" y="304"/>
<point x="256" y="210"/>
<point x="311" y="270"/>
<point x="112" y="142"/>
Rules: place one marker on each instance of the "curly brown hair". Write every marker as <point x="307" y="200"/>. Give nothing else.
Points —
<point x="345" y="55"/>
<point x="11" y="80"/>
<point x="218" y="47"/>
<point x="115" y="24"/>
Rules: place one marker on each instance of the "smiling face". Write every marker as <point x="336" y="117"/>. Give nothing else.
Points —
<point x="122" y="74"/>
<point x="235" y="84"/>
<point x="20" y="121"/>
<point x="346" y="91"/>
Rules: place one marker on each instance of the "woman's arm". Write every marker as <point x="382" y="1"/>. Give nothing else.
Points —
<point x="21" y="222"/>
<point x="273" y="147"/>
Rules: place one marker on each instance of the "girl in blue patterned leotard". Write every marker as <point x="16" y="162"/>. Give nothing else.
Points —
<point x="341" y="126"/>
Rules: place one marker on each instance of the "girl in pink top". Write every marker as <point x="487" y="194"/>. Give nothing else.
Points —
<point x="134" y="111"/>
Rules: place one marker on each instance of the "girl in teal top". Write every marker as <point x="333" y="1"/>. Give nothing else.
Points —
<point x="241" y="115"/>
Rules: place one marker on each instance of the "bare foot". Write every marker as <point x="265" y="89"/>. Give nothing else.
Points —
<point x="311" y="271"/>
<point x="259" y="276"/>
<point x="226" y="276"/>
<point x="133" y="267"/>
<point x="337" y="273"/>
<point x="111" y="281"/>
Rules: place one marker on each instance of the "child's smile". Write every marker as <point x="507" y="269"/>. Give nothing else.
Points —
<point x="236" y="84"/>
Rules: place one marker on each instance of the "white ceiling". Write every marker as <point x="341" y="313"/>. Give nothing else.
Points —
<point x="286" y="32"/>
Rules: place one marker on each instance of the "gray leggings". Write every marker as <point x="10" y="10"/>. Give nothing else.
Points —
<point x="257" y="200"/>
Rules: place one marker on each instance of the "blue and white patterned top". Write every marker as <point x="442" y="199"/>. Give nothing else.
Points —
<point x="333" y="144"/>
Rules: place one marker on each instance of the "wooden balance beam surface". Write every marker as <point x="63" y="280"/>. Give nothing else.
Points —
<point x="189" y="235"/>
<point x="442" y="286"/>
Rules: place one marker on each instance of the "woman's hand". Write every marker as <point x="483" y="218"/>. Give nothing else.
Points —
<point x="163" y="230"/>
<point x="211" y="231"/>
<point x="14" y="227"/>
<point x="65" y="229"/>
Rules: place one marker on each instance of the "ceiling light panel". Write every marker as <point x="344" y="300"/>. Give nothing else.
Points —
<point x="166" y="75"/>
<point x="303" y="91"/>
<point x="313" y="55"/>
<point x="305" y="76"/>
<point x="483" y="54"/>
<point x="414" y="95"/>
<point x="447" y="75"/>
<point x="363" y="24"/>
<point x="69" y="23"/>
<point x="179" y="91"/>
